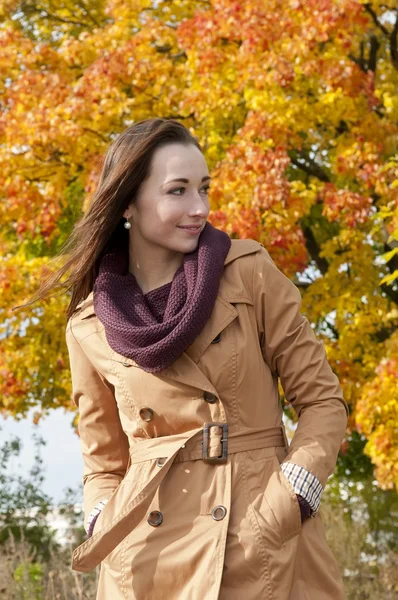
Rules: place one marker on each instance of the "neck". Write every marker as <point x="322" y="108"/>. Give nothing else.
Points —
<point x="152" y="266"/>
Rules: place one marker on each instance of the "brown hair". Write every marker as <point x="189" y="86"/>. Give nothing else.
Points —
<point x="126" y="165"/>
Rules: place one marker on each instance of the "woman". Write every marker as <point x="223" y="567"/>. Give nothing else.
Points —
<point x="177" y="336"/>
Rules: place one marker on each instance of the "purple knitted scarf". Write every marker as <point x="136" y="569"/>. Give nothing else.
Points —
<point x="154" y="329"/>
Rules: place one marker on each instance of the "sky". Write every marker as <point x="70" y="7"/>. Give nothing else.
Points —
<point x="62" y="461"/>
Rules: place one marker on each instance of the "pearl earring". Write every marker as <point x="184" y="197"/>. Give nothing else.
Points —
<point x="127" y="224"/>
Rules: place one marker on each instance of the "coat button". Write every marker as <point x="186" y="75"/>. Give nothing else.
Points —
<point x="126" y="364"/>
<point x="219" y="512"/>
<point x="209" y="397"/>
<point x="217" y="339"/>
<point x="160" y="461"/>
<point x="155" y="518"/>
<point x="146" y="414"/>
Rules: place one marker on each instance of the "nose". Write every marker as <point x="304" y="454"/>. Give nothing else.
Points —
<point x="199" y="206"/>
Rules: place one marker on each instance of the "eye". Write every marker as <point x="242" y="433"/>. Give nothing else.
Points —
<point x="206" y="187"/>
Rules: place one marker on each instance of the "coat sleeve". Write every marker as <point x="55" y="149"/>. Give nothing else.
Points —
<point x="294" y="354"/>
<point x="103" y="443"/>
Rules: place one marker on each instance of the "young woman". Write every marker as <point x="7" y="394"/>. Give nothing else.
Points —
<point x="177" y="336"/>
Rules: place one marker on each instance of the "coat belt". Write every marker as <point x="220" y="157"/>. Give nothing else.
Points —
<point x="173" y="448"/>
<point x="192" y="448"/>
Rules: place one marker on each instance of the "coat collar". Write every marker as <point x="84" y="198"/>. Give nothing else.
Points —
<point x="238" y="248"/>
<point x="186" y="369"/>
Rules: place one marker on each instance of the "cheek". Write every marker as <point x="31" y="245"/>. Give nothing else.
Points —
<point x="153" y="215"/>
<point x="169" y="212"/>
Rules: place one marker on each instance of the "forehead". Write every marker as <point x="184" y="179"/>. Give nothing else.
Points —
<point x="177" y="160"/>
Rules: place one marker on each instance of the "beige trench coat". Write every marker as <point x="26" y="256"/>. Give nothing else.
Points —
<point x="178" y="526"/>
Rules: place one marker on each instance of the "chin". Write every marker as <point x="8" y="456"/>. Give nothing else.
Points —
<point x="189" y="247"/>
<point x="186" y="246"/>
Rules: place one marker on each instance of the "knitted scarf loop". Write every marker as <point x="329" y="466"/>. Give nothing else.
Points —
<point x="154" y="329"/>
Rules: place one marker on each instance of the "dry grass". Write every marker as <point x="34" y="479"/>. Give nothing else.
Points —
<point x="366" y="577"/>
<point x="21" y="578"/>
<point x="369" y="572"/>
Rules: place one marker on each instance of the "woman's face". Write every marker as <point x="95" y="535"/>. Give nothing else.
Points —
<point x="163" y="207"/>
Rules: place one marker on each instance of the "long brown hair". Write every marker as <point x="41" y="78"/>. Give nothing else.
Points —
<point x="126" y="165"/>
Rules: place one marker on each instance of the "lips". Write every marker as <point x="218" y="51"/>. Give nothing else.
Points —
<point x="190" y="227"/>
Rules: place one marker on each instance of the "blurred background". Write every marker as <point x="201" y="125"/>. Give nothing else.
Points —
<point x="296" y="107"/>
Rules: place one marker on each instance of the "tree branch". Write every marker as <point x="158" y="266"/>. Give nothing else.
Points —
<point x="371" y="63"/>
<point x="393" y="44"/>
<point x="392" y="36"/>
<point x="181" y="117"/>
<point x="384" y="333"/>
<point x="163" y="49"/>
<point x="314" y="249"/>
<point x="374" y="47"/>
<point x="97" y="133"/>
<point x="333" y="329"/>
<point x="369" y="9"/>
<point x="390" y="292"/>
<point x="179" y="54"/>
<point x="311" y="167"/>
<point x="87" y="13"/>
<point x="61" y="20"/>
<point x="302" y="284"/>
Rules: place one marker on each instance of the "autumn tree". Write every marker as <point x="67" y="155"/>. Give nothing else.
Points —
<point x="295" y="104"/>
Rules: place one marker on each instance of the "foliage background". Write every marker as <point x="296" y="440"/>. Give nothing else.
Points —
<point x="295" y="104"/>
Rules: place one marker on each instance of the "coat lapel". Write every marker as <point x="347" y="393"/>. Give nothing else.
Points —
<point x="223" y="314"/>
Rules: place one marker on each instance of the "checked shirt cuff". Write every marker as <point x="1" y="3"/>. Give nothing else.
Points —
<point x="93" y="516"/>
<point x="304" y="483"/>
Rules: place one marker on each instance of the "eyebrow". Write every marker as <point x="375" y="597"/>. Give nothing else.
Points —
<point x="186" y="180"/>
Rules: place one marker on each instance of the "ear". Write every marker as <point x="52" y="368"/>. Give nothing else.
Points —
<point x="128" y="213"/>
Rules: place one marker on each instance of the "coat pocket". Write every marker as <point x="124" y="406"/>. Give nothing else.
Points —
<point x="273" y="500"/>
<point x="283" y="503"/>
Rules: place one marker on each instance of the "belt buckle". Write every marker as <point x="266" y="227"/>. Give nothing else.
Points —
<point x="224" y="444"/>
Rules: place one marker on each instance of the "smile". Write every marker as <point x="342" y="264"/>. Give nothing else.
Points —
<point x="190" y="229"/>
